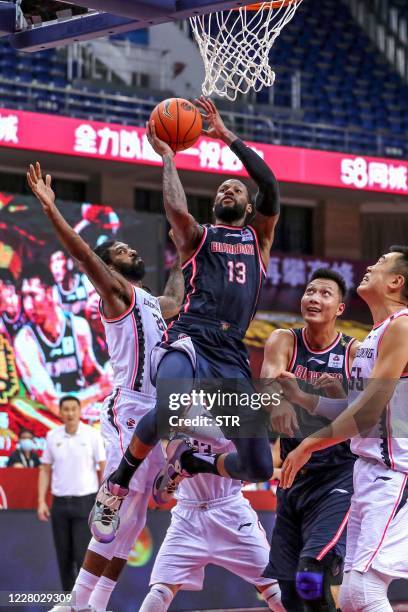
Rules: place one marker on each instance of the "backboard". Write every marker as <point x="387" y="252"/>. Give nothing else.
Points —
<point x="34" y="25"/>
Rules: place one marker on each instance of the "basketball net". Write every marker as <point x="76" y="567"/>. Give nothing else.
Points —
<point x="235" y="46"/>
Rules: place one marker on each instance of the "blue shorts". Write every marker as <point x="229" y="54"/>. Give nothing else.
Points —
<point x="221" y="363"/>
<point x="311" y="521"/>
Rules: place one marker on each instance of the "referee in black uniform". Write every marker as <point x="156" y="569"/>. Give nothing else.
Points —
<point x="73" y="460"/>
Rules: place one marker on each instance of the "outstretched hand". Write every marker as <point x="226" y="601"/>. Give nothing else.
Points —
<point x="161" y="147"/>
<point x="40" y="188"/>
<point x="216" y="126"/>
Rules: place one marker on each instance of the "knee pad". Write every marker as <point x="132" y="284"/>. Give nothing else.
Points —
<point x="313" y="585"/>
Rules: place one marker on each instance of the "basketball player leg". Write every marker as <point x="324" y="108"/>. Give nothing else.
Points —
<point x="181" y="559"/>
<point x="159" y="597"/>
<point x="380" y="510"/>
<point x="104" y="518"/>
<point x="286" y="544"/>
<point x="240" y="546"/>
<point x="366" y="592"/>
<point x="103" y="563"/>
<point x="325" y="513"/>
<point x="177" y="366"/>
<point x="252" y="460"/>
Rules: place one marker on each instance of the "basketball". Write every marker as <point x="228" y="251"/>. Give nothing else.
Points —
<point x="178" y="122"/>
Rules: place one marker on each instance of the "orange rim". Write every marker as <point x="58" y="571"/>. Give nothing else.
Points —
<point x="275" y="4"/>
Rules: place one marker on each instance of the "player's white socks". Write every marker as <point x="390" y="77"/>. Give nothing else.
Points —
<point x="365" y="592"/>
<point x="158" y="599"/>
<point x="83" y="587"/>
<point x="272" y="596"/>
<point x="101" y="593"/>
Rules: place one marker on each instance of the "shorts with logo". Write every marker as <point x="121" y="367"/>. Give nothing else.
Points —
<point x="377" y="533"/>
<point x="311" y="520"/>
<point x="120" y="414"/>
<point x="224" y="532"/>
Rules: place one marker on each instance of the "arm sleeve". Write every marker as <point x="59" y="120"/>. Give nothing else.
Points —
<point x="330" y="408"/>
<point x="267" y="198"/>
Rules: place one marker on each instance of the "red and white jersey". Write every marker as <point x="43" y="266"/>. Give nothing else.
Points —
<point x="131" y="339"/>
<point x="208" y="487"/>
<point x="387" y="441"/>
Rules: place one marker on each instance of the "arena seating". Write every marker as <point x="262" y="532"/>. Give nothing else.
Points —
<point x="351" y="100"/>
<point x="345" y="81"/>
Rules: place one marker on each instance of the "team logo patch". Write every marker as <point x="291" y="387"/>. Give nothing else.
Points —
<point x="247" y="236"/>
<point x="181" y="336"/>
<point x="130" y="423"/>
<point x="335" y="361"/>
<point x="319" y="361"/>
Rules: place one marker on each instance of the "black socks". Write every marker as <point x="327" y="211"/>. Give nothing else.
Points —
<point x="127" y="467"/>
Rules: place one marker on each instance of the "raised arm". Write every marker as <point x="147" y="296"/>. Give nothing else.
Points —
<point x="173" y="294"/>
<point x="267" y="204"/>
<point x="187" y="232"/>
<point x="116" y="293"/>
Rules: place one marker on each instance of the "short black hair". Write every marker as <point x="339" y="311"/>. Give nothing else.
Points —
<point x="24" y="430"/>
<point x="68" y="398"/>
<point x="401" y="265"/>
<point x="103" y="250"/>
<point x="329" y="274"/>
<point x="37" y="270"/>
<point x="7" y="277"/>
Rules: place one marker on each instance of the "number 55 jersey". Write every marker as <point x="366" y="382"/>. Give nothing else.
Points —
<point x="387" y="441"/>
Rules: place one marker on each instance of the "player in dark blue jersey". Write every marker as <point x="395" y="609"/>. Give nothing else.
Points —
<point x="308" y="541"/>
<point x="224" y="266"/>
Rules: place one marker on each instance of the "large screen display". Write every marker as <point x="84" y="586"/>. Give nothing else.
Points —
<point x="52" y="341"/>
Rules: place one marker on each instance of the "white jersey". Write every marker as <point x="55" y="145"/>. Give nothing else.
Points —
<point x="387" y="441"/>
<point x="131" y="339"/>
<point x="208" y="487"/>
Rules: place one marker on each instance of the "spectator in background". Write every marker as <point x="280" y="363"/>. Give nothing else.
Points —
<point x="73" y="460"/>
<point x="53" y="350"/>
<point x="71" y="286"/>
<point x="24" y="455"/>
<point x="11" y="313"/>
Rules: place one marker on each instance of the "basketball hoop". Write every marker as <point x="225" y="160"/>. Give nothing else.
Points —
<point x="235" y="45"/>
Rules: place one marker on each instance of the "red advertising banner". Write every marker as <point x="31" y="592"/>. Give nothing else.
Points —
<point x="79" y="137"/>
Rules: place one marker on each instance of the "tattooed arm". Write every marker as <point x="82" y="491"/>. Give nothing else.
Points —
<point x="187" y="232"/>
<point x="173" y="293"/>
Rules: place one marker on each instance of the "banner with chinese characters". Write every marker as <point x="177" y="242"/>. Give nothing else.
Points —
<point x="78" y="137"/>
